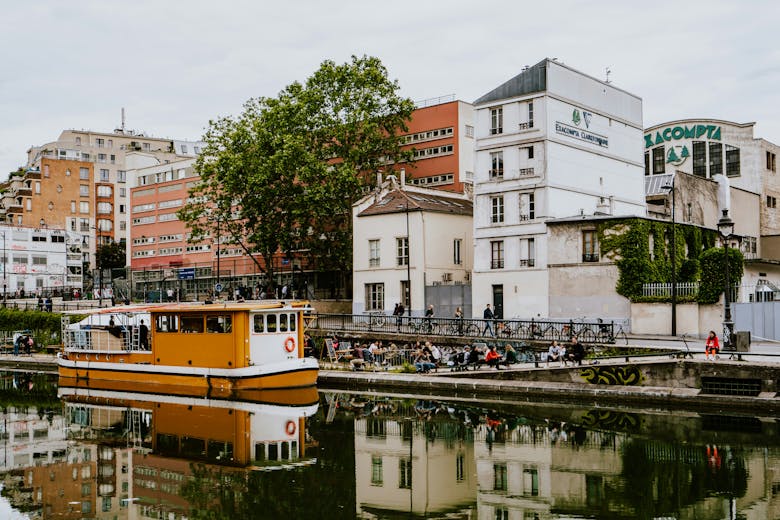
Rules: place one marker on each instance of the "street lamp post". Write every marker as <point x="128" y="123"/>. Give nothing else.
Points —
<point x="726" y="229"/>
<point x="673" y="255"/>
<point x="405" y="207"/>
<point x="5" y="260"/>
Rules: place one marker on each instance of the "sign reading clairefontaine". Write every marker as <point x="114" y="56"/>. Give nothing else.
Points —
<point x="581" y="133"/>
<point x="682" y="132"/>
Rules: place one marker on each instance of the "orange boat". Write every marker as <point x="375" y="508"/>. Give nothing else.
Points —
<point x="216" y="349"/>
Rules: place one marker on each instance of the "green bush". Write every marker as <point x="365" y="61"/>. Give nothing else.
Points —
<point x="713" y="274"/>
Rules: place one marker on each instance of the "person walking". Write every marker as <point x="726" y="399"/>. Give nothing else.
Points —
<point x="488" y="316"/>
<point x="398" y="312"/>
<point x="712" y="347"/>
<point x="459" y="323"/>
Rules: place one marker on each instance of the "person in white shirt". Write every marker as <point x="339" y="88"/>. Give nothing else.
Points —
<point x="555" y="353"/>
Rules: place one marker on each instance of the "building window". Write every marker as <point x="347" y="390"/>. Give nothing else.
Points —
<point x="375" y="296"/>
<point x="104" y="191"/>
<point x="590" y="246"/>
<point x="100" y="143"/>
<point x="73" y="207"/>
<point x="700" y="158"/>
<point x="78" y="141"/>
<point x="530" y="114"/>
<point x="499" y="477"/>
<point x="771" y="161"/>
<point x="647" y="163"/>
<point x="531" y="482"/>
<point x="184" y="148"/>
<point x="405" y="294"/>
<point x="530" y="150"/>
<point x="457" y="244"/>
<point x="497" y="209"/>
<point x="732" y="161"/>
<point x="527" y="206"/>
<point x="373" y="253"/>
<point x="84" y="190"/>
<point x="716" y="159"/>
<point x="38" y="187"/>
<point x="146" y="147"/>
<point x="103" y="175"/>
<point x="101" y="157"/>
<point x="771" y="202"/>
<point x="376" y="470"/>
<point x="113" y="159"/>
<point x="196" y="149"/>
<point x="84" y="174"/>
<point x="83" y="207"/>
<point x="123" y="192"/>
<point x="497" y="254"/>
<point x="749" y="245"/>
<point x="689" y="212"/>
<point x="497" y="165"/>
<point x="121" y="175"/>
<point x="405" y="473"/>
<point x="658" y="161"/>
<point x="496" y="120"/>
<point x="402" y="251"/>
<point x="527" y="252"/>
<point x="104" y="208"/>
<point x="46" y="170"/>
<point x="469" y="131"/>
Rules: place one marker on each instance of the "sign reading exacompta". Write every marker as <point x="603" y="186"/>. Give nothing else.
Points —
<point x="682" y="132"/>
<point x="581" y="134"/>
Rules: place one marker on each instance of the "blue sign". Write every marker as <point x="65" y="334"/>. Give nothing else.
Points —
<point x="187" y="273"/>
<point x="285" y="261"/>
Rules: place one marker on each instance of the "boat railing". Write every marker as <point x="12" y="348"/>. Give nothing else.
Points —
<point x="113" y="339"/>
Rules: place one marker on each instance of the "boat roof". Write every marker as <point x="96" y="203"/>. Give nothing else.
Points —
<point x="195" y="307"/>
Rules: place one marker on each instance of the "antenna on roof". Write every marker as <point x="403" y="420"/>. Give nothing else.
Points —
<point x="525" y="67"/>
<point x="123" y="119"/>
<point x="608" y="71"/>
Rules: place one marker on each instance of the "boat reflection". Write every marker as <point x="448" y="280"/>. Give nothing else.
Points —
<point x="161" y="454"/>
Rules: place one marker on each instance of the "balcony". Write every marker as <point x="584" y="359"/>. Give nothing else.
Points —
<point x="33" y="173"/>
<point x="15" y="208"/>
<point x="24" y="191"/>
<point x="526" y="126"/>
<point x="526" y="172"/>
<point x="527" y="262"/>
<point x="497" y="264"/>
<point x="496" y="130"/>
<point x="590" y="257"/>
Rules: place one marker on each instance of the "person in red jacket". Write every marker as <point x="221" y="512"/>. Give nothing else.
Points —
<point x="712" y="346"/>
<point x="492" y="358"/>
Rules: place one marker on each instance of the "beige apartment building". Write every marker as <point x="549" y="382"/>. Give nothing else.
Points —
<point x="79" y="183"/>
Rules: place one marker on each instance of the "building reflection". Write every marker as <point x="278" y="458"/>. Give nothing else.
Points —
<point x="439" y="460"/>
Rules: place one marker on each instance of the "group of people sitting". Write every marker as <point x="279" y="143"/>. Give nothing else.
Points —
<point x="559" y="353"/>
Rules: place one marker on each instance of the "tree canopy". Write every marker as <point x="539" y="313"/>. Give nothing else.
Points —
<point x="282" y="175"/>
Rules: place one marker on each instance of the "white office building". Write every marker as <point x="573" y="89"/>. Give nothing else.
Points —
<point x="551" y="143"/>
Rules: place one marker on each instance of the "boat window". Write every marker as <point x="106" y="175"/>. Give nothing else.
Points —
<point x="220" y="451"/>
<point x="167" y="323"/>
<point x="271" y="323"/>
<point x="259" y="323"/>
<point x="219" y="324"/>
<point x="292" y="322"/>
<point x="192" y="324"/>
<point x="282" y="323"/>
<point x="193" y="447"/>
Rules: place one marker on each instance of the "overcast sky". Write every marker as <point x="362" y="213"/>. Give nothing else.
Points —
<point x="174" y="65"/>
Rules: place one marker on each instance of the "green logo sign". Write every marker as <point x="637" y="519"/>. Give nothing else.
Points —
<point x="575" y="117"/>
<point x="677" y="155"/>
<point x="671" y="133"/>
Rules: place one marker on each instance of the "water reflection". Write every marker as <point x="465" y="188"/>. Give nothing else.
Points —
<point x="109" y="454"/>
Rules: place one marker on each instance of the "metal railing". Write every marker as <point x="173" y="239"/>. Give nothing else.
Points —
<point x="665" y="289"/>
<point x="588" y="331"/>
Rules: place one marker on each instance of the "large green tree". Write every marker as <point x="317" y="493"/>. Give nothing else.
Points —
<point x="282" y="175"/>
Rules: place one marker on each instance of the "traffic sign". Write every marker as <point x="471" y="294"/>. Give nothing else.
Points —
<point x="218" y="287"/>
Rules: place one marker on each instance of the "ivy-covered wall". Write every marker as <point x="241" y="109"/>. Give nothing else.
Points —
<point x="642" y="250"/>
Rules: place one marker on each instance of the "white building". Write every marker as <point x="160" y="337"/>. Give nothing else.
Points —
<point x="405" y="236"/>
<point x="40" y="259"/>
<point x="550" y="143"/>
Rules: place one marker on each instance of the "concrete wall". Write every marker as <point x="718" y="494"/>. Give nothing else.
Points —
<point x="693" y="319"/>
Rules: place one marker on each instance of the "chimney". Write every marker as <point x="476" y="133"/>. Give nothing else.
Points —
<point x="378" y="178"/>
<point x="403" y="177"/>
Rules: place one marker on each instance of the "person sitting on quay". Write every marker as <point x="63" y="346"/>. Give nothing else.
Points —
<point x="576" y="352"/>
<point x="422" y="361"/>
<point x="475" y="357"/>
<point x="493" y="358"/>
<point x="556" y="353"/>
<point x="510" y="355"/>
<point x="711" y="347"/>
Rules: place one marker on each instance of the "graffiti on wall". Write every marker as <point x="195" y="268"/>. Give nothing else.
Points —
<point x="612" y="375"/>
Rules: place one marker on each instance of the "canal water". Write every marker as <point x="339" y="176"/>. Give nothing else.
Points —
<point x="84" y="453"/>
